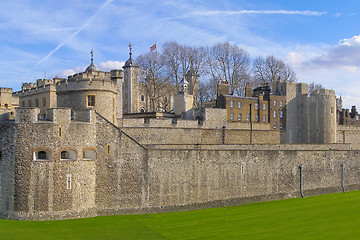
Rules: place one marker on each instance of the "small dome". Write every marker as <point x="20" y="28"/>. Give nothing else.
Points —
<point x="91" y="68"/>
<point x="130" y="63"/>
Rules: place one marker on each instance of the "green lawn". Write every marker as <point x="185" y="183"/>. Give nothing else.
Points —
<point x="333" y="216"/>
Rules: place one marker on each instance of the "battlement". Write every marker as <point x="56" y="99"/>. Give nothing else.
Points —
<point x="86" y="84"/>
<point x="96" y="75"/>
<point x="97" y="80"/>
<point x="5" y="90"/>
<point x="323" y="92"/>
<point x="43" y="82"/>
<point x="35" y="90"/>
<point x="54" y="115"/>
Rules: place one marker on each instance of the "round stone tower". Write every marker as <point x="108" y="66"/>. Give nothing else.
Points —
<point x="91" y="89"/>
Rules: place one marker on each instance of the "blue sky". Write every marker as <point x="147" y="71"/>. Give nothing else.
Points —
<point x="319" y="39"/>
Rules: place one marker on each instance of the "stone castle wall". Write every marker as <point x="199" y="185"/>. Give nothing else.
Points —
<point x="348" y="134"/>
<point x="39" y="186"/>
<point x="127" y="176"/>
<point x="214" y="177"/>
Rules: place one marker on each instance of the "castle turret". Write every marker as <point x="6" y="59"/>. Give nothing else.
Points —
<point x="131" y="85"/>
<point x="183" y="101"/>
<point x="193" y="79"/>
<point x="89" y="90"/>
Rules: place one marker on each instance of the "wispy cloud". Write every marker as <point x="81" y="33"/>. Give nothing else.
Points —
<point x="87" y="23"/>
<point x="242" y="12"/>
<point x="55" y="30"/>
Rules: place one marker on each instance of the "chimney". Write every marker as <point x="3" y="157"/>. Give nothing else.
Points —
<point x="223" y="88"/>
<point x="248" y="90"/>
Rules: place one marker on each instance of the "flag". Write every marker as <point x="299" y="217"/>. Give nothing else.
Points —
<point x="153" y="47"/>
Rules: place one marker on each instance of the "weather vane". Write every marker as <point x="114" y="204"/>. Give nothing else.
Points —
<point x="130" y="47"/>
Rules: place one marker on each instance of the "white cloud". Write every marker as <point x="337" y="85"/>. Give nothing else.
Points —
<point x="109" y="65"/>
<point x="345" y="55"/>
<point x="241" y="12"/>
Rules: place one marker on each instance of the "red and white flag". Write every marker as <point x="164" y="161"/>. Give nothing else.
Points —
<point x="153" y="47"/>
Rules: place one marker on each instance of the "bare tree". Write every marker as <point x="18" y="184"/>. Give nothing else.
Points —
<point x="207" y="92"/>
<point x="172" y="58"/>
<point x="314" y="86"/>
<point x="271" y="69"/>
<point x="180" y="59"/>
<point x="152" y="73"/>
<point x="229" y="63"/>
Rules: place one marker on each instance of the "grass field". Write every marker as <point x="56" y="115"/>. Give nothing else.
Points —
<point x="333" y="216"/>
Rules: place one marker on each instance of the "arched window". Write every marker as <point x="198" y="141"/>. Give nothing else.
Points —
<point x="142" y="98"/>
<point x="89" y="154"/>
<point x="6" y="105"/>
<point x="42" y="155"/>
<point x="68" y="154"/>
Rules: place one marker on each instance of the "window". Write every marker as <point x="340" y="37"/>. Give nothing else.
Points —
<point x="108" y="149"/>
<point x="89" y="154"/>
<point x="274" y="114"/>
<point x="256" y="106"/>
<point x="42" y="155"/>
<point x="281" y="125"/>
<point x="36" y="102"/>
<point x="274" y="124"/>
<point x="239" y="116"/>
<point x="68" y="181"/>
<point x="6" y="105"/>
<point x="256" y="118"/>
<point x="264" y="106"/>
<point x="142" y="98"/>
<point x="275" y="103"/>
<point x="264" y="118"/>
<point x="59" y="131"/>
<point x="281" y="114"/>
<point x="281" y="103"/>
<point x="91" y="100"/>
<point x="239" y="105"/>
<point x="231" y="104"/>
<point x="242" y="169"/>
<point x="29" y="103"/>
<point x="248" y="117"/>
<point x="231" y="116"/>
<point x="23" y="104"/>
<point x="68" y="154"/>
<point x="44" y="102"/>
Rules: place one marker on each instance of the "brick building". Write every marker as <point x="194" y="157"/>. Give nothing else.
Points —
<point x="258" y="105"/>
